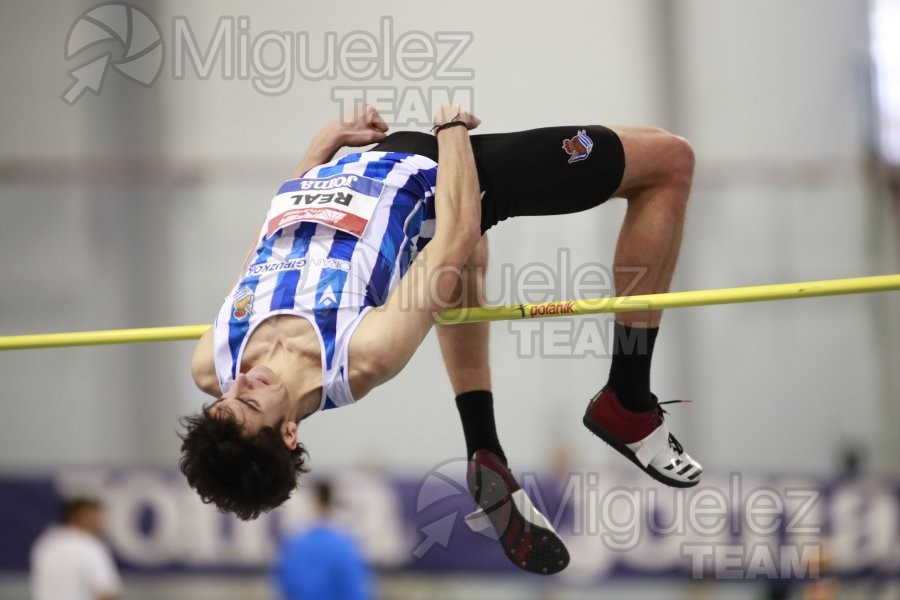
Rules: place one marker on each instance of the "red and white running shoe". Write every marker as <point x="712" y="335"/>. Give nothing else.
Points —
<point x="643" y="438"/>
<point x="527" y="537"/>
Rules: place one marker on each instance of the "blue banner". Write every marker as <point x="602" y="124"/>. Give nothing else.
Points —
<point x="616" y="524"/>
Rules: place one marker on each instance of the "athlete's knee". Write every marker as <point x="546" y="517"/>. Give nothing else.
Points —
<point x="674" y="157"/>
<point x="680" y="159"/>
<point x="655" y="158"/>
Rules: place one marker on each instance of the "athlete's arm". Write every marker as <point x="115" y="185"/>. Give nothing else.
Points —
<point x="390" y="334"/>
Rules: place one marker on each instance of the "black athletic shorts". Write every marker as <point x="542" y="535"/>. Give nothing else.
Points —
<point x="547" y="171"/>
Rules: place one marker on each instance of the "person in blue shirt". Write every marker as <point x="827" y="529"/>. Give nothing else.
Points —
<point x="322" y="563"/>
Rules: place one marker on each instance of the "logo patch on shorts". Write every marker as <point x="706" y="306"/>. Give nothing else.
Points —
<point x="243" y="303"/>
<point x="578" y="147"/>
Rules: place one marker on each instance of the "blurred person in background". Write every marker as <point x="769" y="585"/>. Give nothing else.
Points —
<point x="70" y="561"/>
<point x="323" y="562"/>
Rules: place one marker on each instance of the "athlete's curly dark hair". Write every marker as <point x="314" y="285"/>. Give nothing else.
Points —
<point x="246" y="475"/>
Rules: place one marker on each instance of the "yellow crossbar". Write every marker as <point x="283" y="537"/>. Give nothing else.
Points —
<point x="759" y="293"/>
<point x="100" y="338"/>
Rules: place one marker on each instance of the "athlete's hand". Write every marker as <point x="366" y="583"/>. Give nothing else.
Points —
<point x="361" y="126"/>
<point x="455" y="113"/>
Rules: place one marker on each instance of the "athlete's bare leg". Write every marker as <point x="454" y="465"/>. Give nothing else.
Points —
<point x="465" y="347"/>
<point x="657" y="182"/>
<point x="466" y="357"/>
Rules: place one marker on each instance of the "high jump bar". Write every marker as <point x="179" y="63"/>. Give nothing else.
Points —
<point x="559" y="308"/>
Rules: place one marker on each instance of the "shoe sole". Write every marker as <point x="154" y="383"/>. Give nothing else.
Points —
<point x="627" y="453"/>
<point x="527" y="545"/>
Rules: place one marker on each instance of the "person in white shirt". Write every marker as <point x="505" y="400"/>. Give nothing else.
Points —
<point x="70" y="561"/>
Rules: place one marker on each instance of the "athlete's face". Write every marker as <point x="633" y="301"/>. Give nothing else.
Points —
<point x="258" y="399"/>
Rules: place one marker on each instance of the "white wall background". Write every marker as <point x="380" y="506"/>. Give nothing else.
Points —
<point x="134" y="208"/>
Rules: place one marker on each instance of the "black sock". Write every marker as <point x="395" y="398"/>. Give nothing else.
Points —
<point x="629" y="375"/>
<point x="476" y="411"/>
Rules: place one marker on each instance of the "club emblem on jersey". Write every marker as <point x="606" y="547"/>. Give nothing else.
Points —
<point x="243" y="303"/>
<point x="578" y="147"/>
